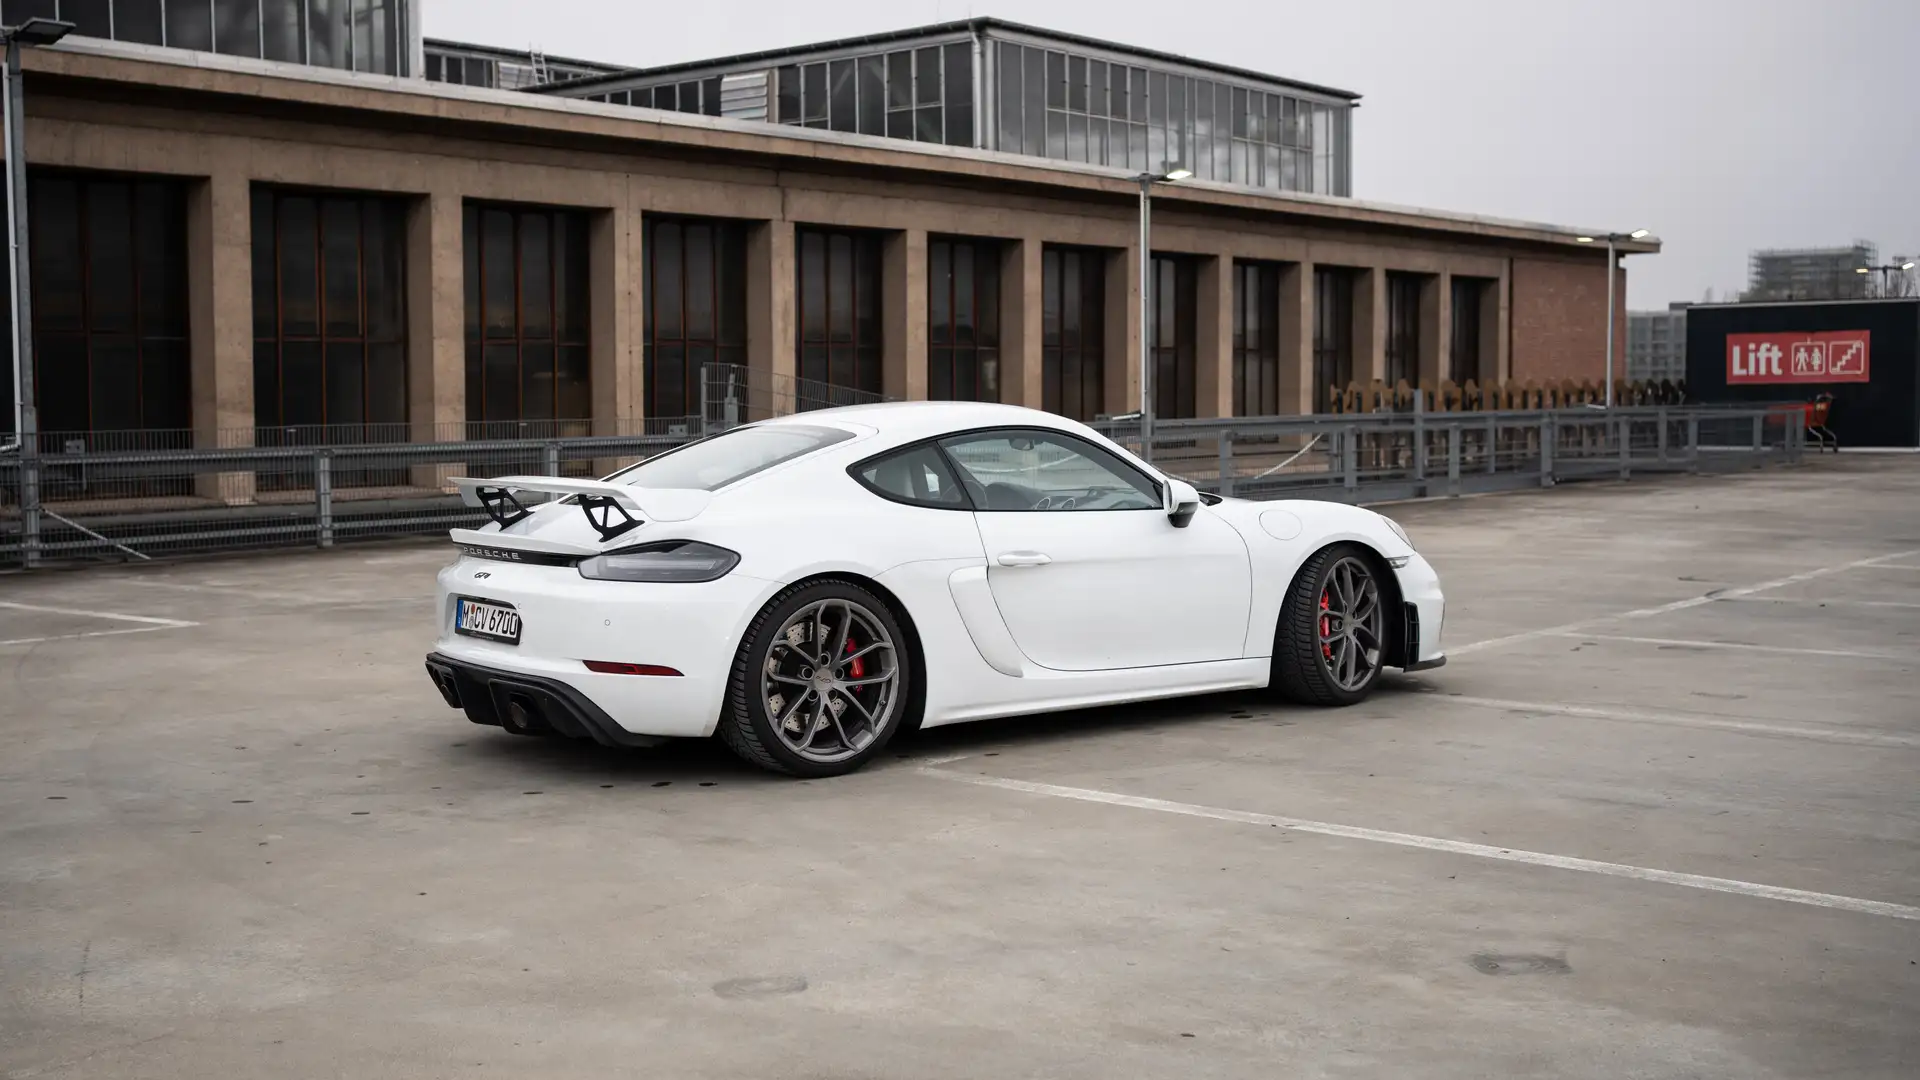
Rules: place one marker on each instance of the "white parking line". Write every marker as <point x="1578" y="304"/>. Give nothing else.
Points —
<point x="148" y="623"/>
<point x="1455" y="847"/>
<point x="1688" y="643"/>
<point x="1831" y="602"/>
<point x="85" y="613"/>
<point x="1680" y="605"/>
<point x="1862" y="737"/>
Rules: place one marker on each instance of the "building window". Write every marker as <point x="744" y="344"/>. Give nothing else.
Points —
<point x="1073" y="294"/>
<point x="354" y="35"/>
<point x="1332" y="335"/>
<point x="1256" y="339"/>
<point x="695" y="284"/>
<point x="1464" y="348"/>
<point x="700" y="96"/>
<point x="839" y="331"/>
<point x="329" y="316"/>
<point x="528" y="349"/>
<point x="109" y="307"/>
<point x="923" y="94"/>
<point x="1403" y="329"/>
<point x="1172" y="333"/>
<point x="963" y="320"/>
<point x="1078" y="108"/>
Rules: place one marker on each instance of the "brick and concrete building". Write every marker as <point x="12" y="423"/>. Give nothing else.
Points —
<point x="1657" y="344"/>
<point x="259" y="234"/>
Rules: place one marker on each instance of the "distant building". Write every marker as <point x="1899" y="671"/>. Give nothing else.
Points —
<point x="1657" y="343"/>
<point x="503" y="69"/>
<point x="1809" y="273"/>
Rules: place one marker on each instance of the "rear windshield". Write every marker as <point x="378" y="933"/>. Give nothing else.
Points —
<point x="713" y="463"/>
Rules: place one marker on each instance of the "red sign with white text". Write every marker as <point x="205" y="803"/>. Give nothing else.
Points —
<point x="1827" y="357"/>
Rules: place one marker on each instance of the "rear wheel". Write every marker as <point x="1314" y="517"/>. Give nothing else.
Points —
<point x="820" y="682"/>
<point x="1332" y="638"/>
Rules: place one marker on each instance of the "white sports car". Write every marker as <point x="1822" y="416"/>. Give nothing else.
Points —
<point x="810" y="586"/>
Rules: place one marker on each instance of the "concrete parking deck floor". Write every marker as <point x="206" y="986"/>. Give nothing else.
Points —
<point x="1659" y="818"/>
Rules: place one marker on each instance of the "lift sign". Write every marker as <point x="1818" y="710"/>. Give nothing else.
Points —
<point x="1827" y="357"/>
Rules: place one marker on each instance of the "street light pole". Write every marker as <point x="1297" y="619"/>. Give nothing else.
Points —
<point x="1146" y="181"/>
<point x="1884" y="270"/>
<point x="36" y="31"/>
<point x="1613" y="274"/>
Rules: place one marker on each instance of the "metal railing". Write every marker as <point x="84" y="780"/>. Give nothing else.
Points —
<point x="1380" y="457"/>
<point x="131" y="498"/>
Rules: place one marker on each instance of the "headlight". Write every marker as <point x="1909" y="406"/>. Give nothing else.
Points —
<point x="1398" y="531"/>
<point x="663" y="561"/>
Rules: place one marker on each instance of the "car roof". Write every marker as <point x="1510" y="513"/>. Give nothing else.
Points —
<point x="905" y="421"/>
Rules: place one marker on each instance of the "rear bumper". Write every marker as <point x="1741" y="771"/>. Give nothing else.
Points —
<point x="526" y="704"/>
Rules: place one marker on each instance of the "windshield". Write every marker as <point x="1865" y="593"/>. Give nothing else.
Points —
<point x="715" y="462"/>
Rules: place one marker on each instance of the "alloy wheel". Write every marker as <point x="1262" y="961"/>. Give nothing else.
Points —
<point x="831" y="680"/>
<point x="1351" y="620"/>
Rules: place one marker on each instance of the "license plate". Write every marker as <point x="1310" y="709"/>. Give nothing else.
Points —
<point x="496" y="622"/>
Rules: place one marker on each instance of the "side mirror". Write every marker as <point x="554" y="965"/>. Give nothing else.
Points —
<point x="1182" y="500"/>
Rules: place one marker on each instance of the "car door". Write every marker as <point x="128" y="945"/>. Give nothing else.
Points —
<point x="1086" y="567"/>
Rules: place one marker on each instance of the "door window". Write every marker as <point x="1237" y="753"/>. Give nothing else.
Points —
<point x="1045" y="470"/>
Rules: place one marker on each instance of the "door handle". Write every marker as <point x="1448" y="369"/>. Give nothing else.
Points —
<point x="1024" y="558"/>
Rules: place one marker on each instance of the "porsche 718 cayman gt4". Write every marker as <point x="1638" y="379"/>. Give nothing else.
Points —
<point x="808" y="587"/>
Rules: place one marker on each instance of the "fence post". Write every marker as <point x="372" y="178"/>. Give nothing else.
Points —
<point x="1547" y="434"/>
<point x="706" y="407"/>
<point x="1661" y="442"/>
<point x="1420" y="441"/>
<point x="1350" y="457"/>
<point x="323" y="497"/>
<point x="1759" y="431"/>
<point x="1693" y="442"/>
<point x="1493" y="445"/>
<point x="1453" y="458"/>
<point x="1626" y="448"/>
<point x="29" y="505"/>
<point x="1226" y="464"/>
<point x="550" y="459"/>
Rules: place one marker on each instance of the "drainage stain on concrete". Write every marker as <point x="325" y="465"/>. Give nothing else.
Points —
<point x="1519" y="964"/>
<point x="761" y="986"/>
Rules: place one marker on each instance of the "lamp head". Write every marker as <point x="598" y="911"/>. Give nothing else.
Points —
<point x="40" y="31"/>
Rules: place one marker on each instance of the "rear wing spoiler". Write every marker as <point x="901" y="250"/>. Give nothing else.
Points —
<point x="611" y="509"/>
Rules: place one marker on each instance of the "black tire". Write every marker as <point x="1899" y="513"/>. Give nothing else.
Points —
<point x="1302" y="669"/>
<point x="746" y="725"/>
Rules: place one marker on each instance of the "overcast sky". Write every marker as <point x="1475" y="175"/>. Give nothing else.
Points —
<point x="1723" y="125"/>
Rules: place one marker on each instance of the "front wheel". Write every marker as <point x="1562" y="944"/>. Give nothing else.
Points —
<point x="1332" y="636"/>
<point x="820" y="682"/>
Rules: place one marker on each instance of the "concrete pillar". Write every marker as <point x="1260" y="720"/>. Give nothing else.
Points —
<point x="1122" y="341"/>
<point x="220" y="343"/>
<point x="615" y="303"/>
<point x="1499" y="328"/>
<point x="1370" y="324"/>
<point x="1436" y="328"/>
<point x="1296" y="341"/>
<point x="771" y="326"/>
<point x="436" y="329"/>
<point x="1022" y="323"/>
<point x="1213" y="335"/>
<point x="903" y="315"/>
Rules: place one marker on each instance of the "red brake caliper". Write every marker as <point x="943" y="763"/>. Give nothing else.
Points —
<point x="1326" y="627"/>
<point x="859" y="667"/>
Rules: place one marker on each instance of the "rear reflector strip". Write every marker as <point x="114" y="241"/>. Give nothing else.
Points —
<point x="614" y="667"/>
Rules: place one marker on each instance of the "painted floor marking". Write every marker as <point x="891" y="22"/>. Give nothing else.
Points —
<point x="1455" y="847"/>
<point x="1681" y="605"/>
<point x="1857" y="736"/>
<point x="148" y="623"/>
<point x="1831" y="602"/>
<point x="1689" y="643"/>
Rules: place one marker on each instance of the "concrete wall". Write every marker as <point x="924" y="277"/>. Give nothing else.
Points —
<point x="230" y="130"/>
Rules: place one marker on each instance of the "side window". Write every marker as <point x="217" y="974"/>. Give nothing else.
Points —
<point x="918" y="475"/>
<point x="1047" y="470"/>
